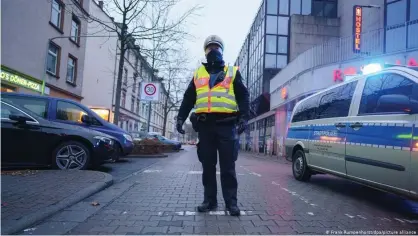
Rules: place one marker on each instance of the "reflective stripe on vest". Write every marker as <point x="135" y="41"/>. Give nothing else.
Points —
<point x="219" y="99"/>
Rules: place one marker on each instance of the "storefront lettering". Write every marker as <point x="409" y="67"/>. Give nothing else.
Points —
<point x="338" y="74"/>
<point x="358" y="16"/>
<point x="15" y="79"/>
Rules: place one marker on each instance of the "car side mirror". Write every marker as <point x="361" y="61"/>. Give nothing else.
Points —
<point x="19" y="118"/>
<point x="397" y="103"/>
<point x="86" y="119"/>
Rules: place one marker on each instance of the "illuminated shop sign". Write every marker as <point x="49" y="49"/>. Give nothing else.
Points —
<point x="284" y="93"/>
<point x="20" y="81"/>
<point x="358" y="17"/>
<point x="339" y="75"/>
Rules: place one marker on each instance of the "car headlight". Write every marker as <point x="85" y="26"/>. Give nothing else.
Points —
<point x="128" y="137"/>
<point x="104" y="139"/>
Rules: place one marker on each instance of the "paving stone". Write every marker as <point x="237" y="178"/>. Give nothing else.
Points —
<point x="177" y="223"/>
<point x="206" y="230"/>
<point x="158" y="218"/>
<point x="146" y="223"/>
<point x="137" y="217"/>
<point x="257" y="229"/>
<point x="216" y="223"/>
<point x="104" y="229"/>
<point x="154" y="230"/>
<point x="264" y="222"/>
<point x="282" y="230"/>
<point x="122" y="222"/>
<point x="129" y="229"/>
<point x="183" y="218"/>
<point x="182" y="230"/>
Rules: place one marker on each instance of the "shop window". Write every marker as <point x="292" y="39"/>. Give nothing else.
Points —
<point x="7" y="89"/>
<point x="284" y="7"/>
<point x="71" y="69"/>
<point x="38" y="106"/>
<point x="53" y="60"/>
<point x="295" y="7"/>
<point x="57" y="14"/>
<point x="306" y="7"/>
<point x="336" y="102"/>
<point x="75" y="30"/>
<point x="283" y="25"/>
<point x="272" y="7"/>
<point x="386" y="84"/>
<point x="271" y="25"/>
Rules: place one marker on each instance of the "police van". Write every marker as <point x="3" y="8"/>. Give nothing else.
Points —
<point x="364" y="130"/>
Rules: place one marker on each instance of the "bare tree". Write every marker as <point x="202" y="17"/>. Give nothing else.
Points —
<point x="143" y="21"/>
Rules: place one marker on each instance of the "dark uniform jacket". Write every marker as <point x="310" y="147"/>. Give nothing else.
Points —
<point x="241" y="96"/>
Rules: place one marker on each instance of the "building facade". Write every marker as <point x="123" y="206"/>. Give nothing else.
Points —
<point x="43" y="44"/>
<point x="328" y="50"/>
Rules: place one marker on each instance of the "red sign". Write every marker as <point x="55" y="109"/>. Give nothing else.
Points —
<point x="358" y="17"/>
<point x="338" y="74"/>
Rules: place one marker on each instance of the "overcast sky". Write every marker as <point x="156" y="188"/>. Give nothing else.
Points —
<point x="230" y="19"/>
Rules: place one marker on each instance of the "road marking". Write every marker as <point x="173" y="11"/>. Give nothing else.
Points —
<point x="180" y="213"/>
<point x="30" y="229"/>
<point x="219" y="213"/>
<point x="294" y="194"/>
<point x="311" y="213"/>
<point x="152" y="171"/>
<point x="160" y="213"/>
<point x="350" y="216"/>
<point x="400" y="220"/>
<point x="189" y="213"/>
<point x="193" y="172"/>
<point x="251" y="172"/>
<point x="364" y="218"/>
<point x="411" y="221"/>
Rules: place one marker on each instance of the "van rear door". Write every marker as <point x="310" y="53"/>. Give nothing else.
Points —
<point x="379" y="137"/>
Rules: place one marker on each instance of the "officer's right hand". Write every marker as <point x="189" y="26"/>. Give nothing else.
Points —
<point x="179" y="127"/>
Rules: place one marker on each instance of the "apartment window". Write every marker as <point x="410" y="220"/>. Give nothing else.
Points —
<point x="123" y="101"/>
<point x="282" y="45"/>
<point x="125" y="77"/>
<point x="71" y="69"/>
<point x="137" y="106"/>
<point x="53" y="60"/>
<point x="284" y="7"/>
<point x="75" y="30"/>
<point x="132" y="103"/>
<point x="57" y="14"/>
<point x="134" y="84"/>
<point x="295" y="7"/>
<point x="272" y="7"/>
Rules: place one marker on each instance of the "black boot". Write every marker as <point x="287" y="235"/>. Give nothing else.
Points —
<point x="233" y="210"/>
<point x="207" y="206"/>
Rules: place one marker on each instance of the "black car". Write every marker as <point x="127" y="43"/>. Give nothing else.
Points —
<point x="29" y="140"/>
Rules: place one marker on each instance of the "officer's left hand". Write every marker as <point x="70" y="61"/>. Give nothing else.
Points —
<point x="242" y="125"/>
<point x="179" y="127"/>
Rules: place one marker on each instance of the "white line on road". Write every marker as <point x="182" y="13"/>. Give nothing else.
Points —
<point x="364" y="218"/>
<point x="400" y="220"/>
<point x="152" y="171"/>
<point x="251" y="172"/>
<point x="219" y="213"/>
<point x="411" y="221"/>
<point x="294" y="194"/>
<point x="350" y="216"/>
<point x="311" y="213"/>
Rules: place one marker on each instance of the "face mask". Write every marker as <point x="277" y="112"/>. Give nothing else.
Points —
<point x="214" y="56"/>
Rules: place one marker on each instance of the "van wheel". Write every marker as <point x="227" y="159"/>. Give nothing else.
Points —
<point x="300" y="168"/>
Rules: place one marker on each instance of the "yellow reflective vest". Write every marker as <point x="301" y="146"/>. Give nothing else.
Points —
<point x="219" y="99"/>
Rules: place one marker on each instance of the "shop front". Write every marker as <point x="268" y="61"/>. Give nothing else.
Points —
<point x="13" y="81"/>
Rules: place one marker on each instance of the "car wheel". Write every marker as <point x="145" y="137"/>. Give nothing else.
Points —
<point x="71" y="155"/>
<point x="300" y="168"/>
<point x="118" y="153"/>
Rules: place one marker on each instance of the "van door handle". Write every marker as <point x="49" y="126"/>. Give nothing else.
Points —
<point x="340" y="125"/>
<point x="356" y="125"/>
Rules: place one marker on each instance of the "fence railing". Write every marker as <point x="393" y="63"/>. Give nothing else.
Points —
<point x="396" y="38"/>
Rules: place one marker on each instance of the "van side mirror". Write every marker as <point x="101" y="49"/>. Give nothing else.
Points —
<point x="86" y="119"/>
<point x="397" y="103"/>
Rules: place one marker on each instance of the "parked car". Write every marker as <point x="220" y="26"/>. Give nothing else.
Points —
<point x="364" y="130"/>
<point x="157" y="136"/>
<point x="138" y="136"/>
<point x="71" y="112"/>
<point x="29" y="140"/>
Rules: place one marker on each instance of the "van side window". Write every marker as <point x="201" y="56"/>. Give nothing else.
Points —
<point x="306" y="110"/>
<point x="38" y="106"/>
<point x="336" y="102"/>
<point x="385" y="84"/>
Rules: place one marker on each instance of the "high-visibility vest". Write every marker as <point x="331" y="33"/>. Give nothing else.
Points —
<point x="219" y="99"/>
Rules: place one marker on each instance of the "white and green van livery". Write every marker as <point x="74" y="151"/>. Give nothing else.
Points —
<point x="365" y="130"/>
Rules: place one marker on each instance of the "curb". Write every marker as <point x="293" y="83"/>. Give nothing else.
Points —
<point x="149" y="156"/>
<point x="48" y="211"/>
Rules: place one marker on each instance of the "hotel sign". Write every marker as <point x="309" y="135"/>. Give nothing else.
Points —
<point x="20" y="81"/>
<point x="357" y="26"/>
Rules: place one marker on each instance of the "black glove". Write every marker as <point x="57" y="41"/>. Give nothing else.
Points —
<point x="179" y="127"/>
<point x="193" y="120"/>
<point x="242" y="125"/>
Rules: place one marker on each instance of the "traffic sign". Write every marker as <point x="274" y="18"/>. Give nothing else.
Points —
<point x="150" y="91"/>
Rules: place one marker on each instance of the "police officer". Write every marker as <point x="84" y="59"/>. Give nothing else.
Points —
<point x="222" y="106"/>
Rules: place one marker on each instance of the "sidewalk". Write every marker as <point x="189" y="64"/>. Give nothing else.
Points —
<point x="31" y="195"/>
